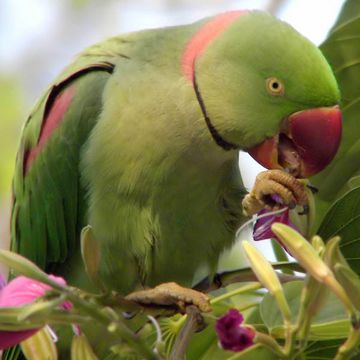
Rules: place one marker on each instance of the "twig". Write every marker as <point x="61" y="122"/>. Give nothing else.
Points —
<point x="193" y="323"/>
<point x="346" y="350"/>
<point x="244" y="275"/>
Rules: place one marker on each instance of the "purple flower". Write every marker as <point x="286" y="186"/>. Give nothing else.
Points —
<point x="232" y="335"/>
<point x="262" y="228"/>
<point x="18" y="292"/>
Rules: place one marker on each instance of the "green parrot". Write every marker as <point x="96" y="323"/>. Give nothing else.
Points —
<point x="139" y="138"/>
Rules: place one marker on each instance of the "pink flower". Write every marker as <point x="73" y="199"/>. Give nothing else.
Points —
<point x="18" y="292"/>
<point x="232" y="335"/>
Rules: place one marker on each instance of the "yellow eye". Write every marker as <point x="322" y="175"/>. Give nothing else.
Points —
<point x="275" y="86"/>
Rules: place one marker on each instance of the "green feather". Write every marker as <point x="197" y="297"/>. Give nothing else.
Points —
<point x="47" y="221"/>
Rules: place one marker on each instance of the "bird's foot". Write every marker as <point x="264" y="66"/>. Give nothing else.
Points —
<point x="170" y="293"/>
<point x="274" y="189"/>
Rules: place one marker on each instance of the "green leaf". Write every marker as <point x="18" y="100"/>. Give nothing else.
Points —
<point x="331" y="330"/>
<point x="12" y="353"/>
<point x="253" y="353"/>
<point x="322" y="350"/>
<point x="350" y="282"/>
<point x="342" y="50"/>
<point x="204" y="345"/>
<point x="330" y="323"/>
<point x="350" y="10"/>
<point x="256" y="320"/>
<point x="269" y="310"/>
<point x="343" y="219"/>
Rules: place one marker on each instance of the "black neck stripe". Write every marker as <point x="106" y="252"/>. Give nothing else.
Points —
<point x="214" y="133"/>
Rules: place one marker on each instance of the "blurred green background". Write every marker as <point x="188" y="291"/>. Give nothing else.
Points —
<point x="39" y="37"/>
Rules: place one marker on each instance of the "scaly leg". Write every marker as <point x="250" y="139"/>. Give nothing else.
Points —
<point x="171" y="294"/>
<point x="274" y="182"/>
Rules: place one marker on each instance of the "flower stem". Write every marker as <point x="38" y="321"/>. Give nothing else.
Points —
<point x="194" y="321"/>
<point x="346" y="350"/>
<point x="238" y="291"/>
<point x="290" y="333"/>
<point x="270" y="343"/>
<point x="112" y="324"/>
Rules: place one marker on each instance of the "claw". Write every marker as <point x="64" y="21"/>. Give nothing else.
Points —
<point x="313" y="188"/>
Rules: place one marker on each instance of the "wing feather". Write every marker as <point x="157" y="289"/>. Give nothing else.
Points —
<point x="48" y="210"/>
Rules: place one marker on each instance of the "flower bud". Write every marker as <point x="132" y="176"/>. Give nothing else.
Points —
<point x="90" y="253"/>
<point x="267" y="277"/>
<point x="262" y="268"/>
<point x="40" y="346"/>
<point x="302" y="251"/>
<point x="81" y="349"/>
<point x="308" y="258"/>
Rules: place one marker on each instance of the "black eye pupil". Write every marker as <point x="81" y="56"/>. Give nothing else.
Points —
<point x="275" y="85"/>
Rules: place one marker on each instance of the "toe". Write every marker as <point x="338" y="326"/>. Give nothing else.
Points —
<point x="292" y="184"/>
<point x="290" y="189"/>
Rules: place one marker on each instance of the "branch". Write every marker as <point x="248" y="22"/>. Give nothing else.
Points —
<point x="194" y="322"/>
<point x="244" y="275"/>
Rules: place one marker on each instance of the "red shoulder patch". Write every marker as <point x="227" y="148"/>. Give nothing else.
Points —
<point x="52" y="120"/>
<point x="203" y="37"/>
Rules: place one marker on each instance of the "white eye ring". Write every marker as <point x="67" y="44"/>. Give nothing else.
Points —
<point x="275" y="86"/>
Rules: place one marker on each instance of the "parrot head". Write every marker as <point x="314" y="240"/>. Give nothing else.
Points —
<point x="265" y="89"/>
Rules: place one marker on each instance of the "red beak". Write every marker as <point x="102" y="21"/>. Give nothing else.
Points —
<point x="307" y="142"/>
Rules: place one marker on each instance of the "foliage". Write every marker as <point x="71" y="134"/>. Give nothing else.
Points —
<point x="343" y="219"/>
<point x="342" y="50"/>
<point x="291" y="320"/>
